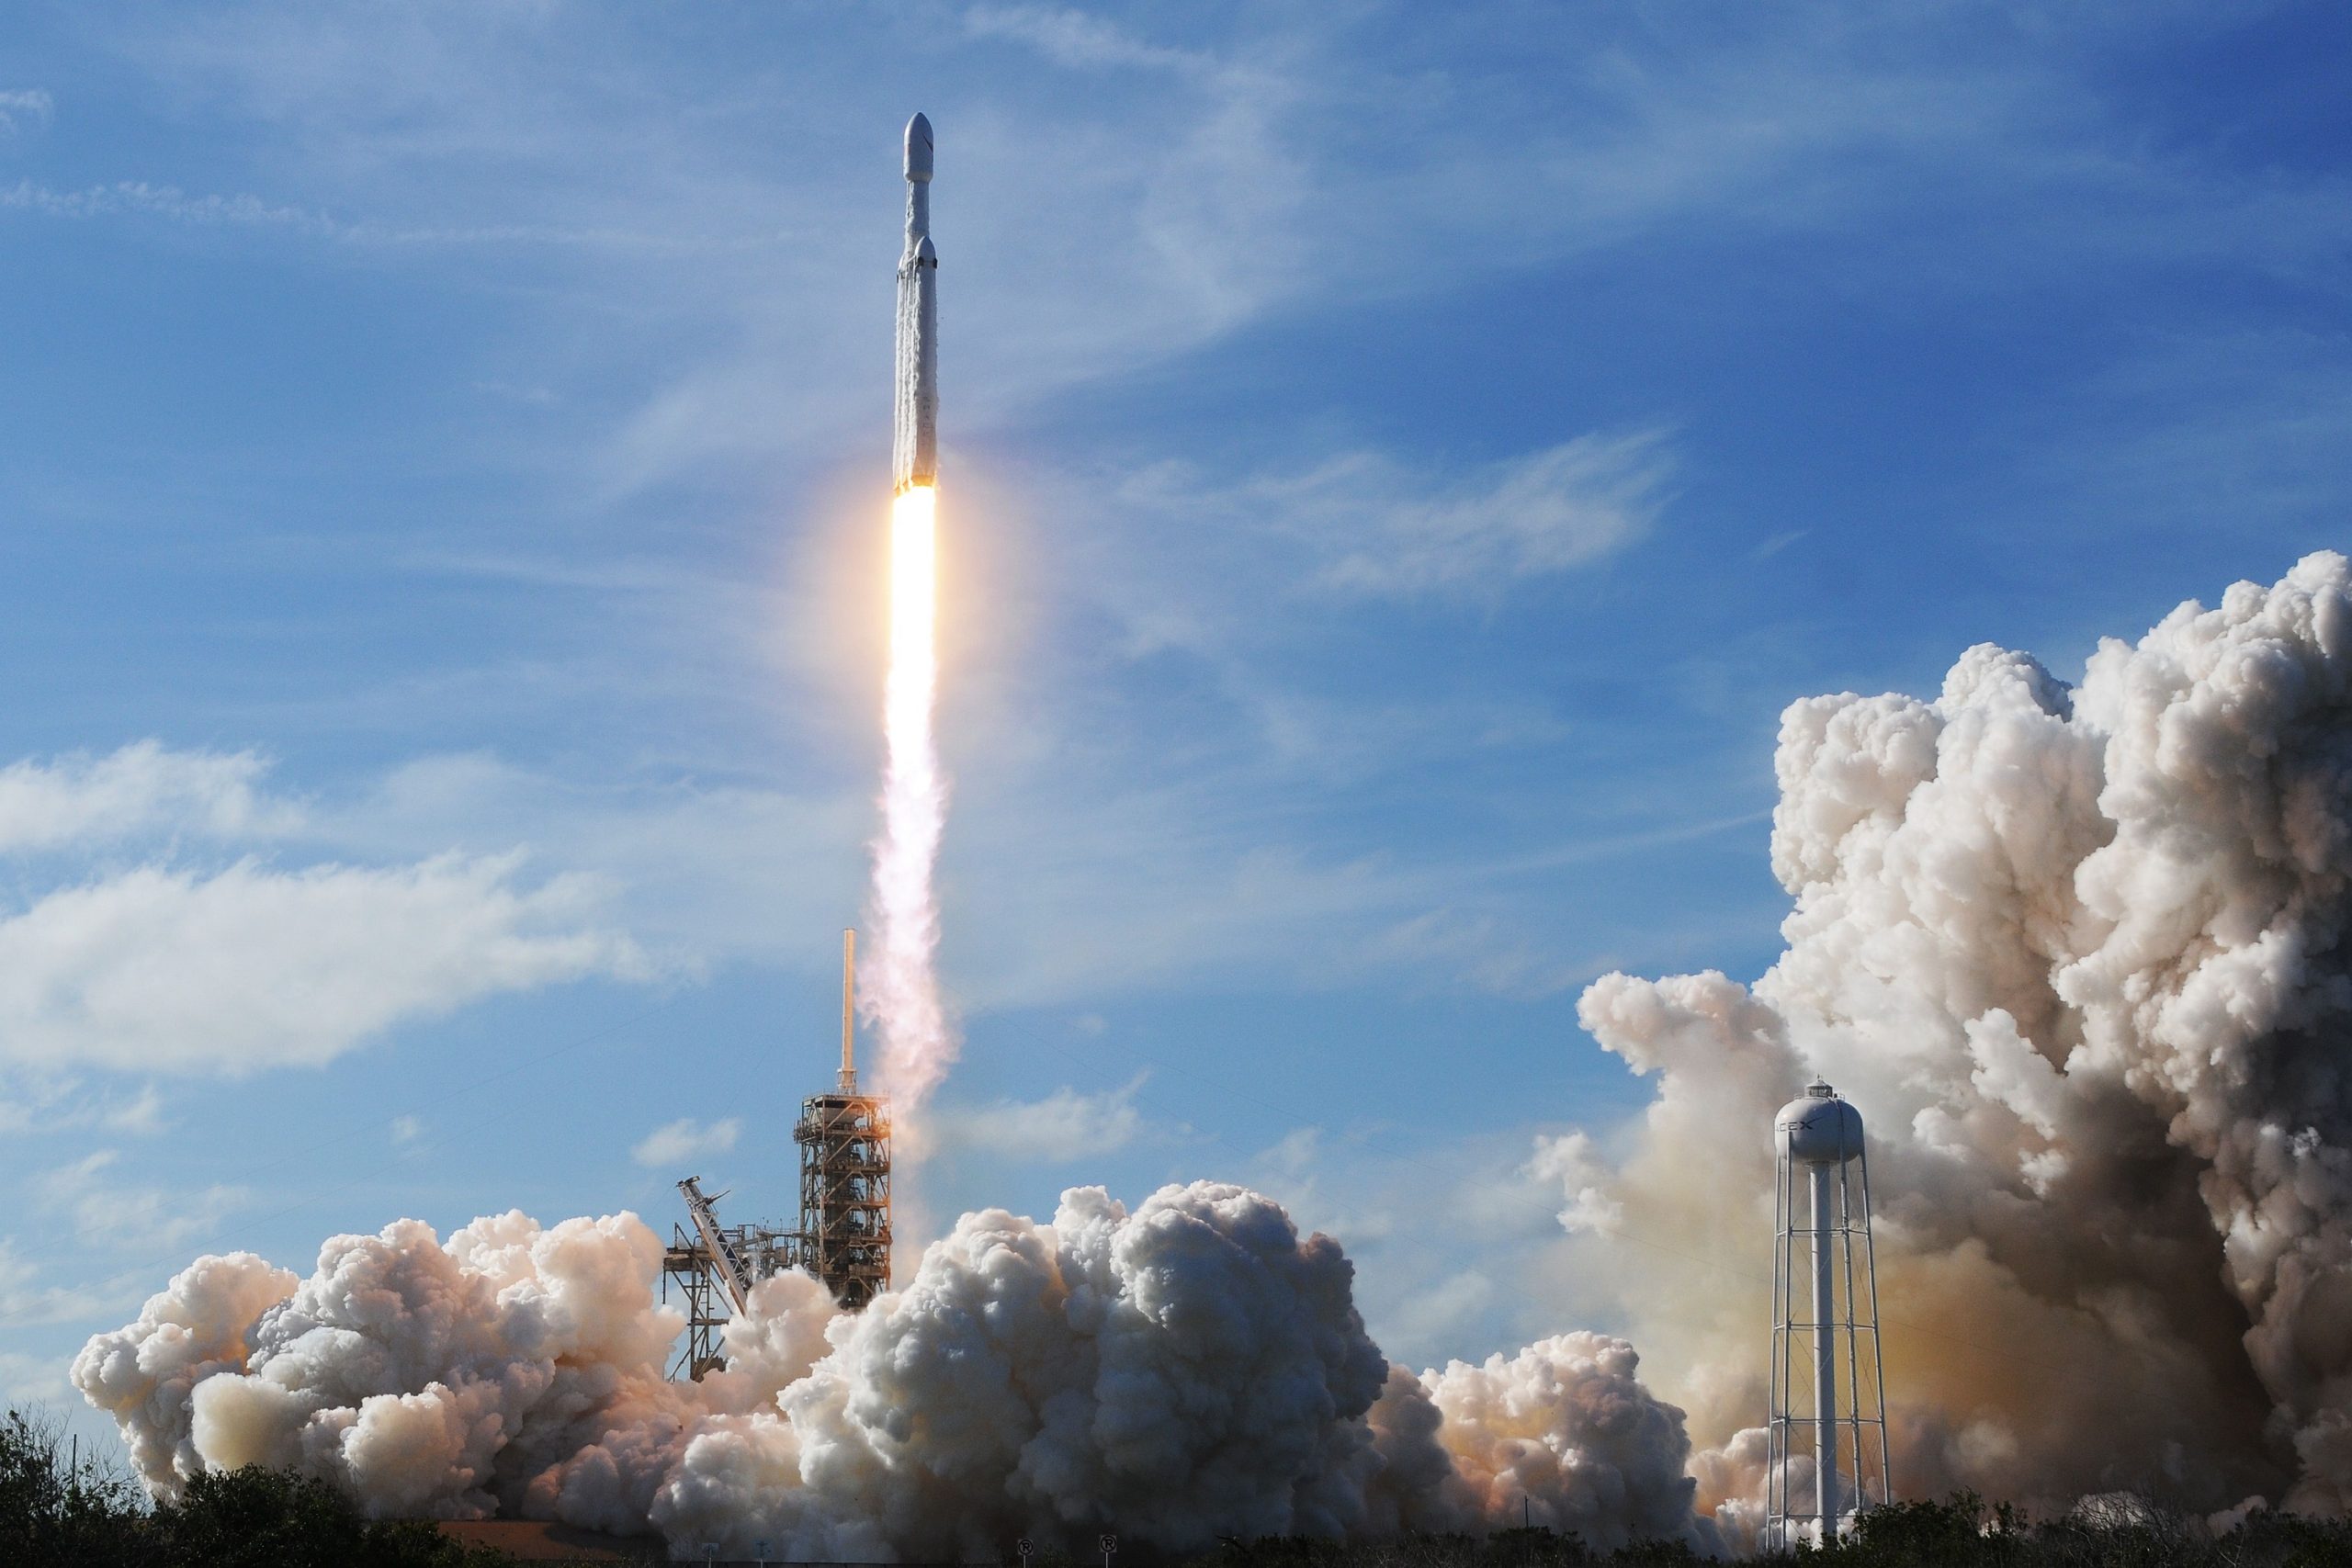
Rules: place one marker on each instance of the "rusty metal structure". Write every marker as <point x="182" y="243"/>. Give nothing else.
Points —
<point x="844" y="1237"/>
<point x="714" y="1268"/>
<point x="844" y="1138"/>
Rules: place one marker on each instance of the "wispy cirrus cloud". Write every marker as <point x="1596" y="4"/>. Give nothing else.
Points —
<point x="1391" y="533"/>
<point x="1078" y="39"/>
<point x="21" y="107"/>
<point x="28" y="1297"/>
<point x="686" y="1139"/>
<point x="1064" y="1126"/>
<point x="140" y="197"/>
<point x="133" y="1218"/>
<point x="1369" y="524"/>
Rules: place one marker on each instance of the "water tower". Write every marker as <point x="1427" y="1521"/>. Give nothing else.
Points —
<point x="1824" y="1316"/>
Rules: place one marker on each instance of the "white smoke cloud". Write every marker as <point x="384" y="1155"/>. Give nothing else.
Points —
<point x="2079" y="957"/>
<point x="1191" y="1369"/>
<point x="2078" y="954"/>
<point x="1565" y="1427"/>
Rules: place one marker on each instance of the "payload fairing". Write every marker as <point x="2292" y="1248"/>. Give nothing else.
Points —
<point x="915" y="444"/>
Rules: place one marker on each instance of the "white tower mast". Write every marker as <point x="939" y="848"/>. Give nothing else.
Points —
<point x="1820" y="1136"/>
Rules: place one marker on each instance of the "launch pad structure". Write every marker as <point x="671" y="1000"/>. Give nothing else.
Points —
<point x="844" y="1235"/>
<point x="845" y="1140"/>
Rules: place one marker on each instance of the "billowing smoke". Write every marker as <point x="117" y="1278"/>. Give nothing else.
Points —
<point x="2079" y="956"/>
<point x="1193" y="1368"/>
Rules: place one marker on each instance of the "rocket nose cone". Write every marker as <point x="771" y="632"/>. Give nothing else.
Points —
<point x="919" y="149"/>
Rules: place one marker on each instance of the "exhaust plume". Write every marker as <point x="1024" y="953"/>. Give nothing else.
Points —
<point x="2080" y="954"/>
<point x="1191" y="1369"/>
<point x="901" y="994"/>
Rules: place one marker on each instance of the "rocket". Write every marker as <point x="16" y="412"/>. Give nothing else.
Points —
<point x="914" y="458"/>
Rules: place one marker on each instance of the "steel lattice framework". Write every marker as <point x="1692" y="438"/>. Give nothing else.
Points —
<point x="845" y="1233"/>
<point x="1825" y="1312"/>
<point x="714" y="1268"/>
<point x="844" y="1237"/>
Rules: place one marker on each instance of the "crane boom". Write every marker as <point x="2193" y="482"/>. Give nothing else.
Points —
<point x="732" y="1273"/>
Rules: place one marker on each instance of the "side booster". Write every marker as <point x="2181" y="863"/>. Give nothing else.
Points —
<point x="915" y="430"/>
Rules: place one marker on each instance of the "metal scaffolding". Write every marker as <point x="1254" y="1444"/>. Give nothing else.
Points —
<point x="845" y="1194"/>
<point x="845" y="1140"/>
<point x="714" y="1268"/>
<point x="845" y="1233"/>
<point x="1825" y="1312"/>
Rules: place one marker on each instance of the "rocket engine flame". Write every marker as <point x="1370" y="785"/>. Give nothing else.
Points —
<point x="901" y="994"/>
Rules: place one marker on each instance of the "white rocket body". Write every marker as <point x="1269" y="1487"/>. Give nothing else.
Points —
<point x="914" y="458"/>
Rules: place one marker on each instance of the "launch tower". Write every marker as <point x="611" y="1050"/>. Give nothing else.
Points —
<point x="845" y="1233"/>
<point x="845" y="1140"/>
<point x="1825" y="1312"/>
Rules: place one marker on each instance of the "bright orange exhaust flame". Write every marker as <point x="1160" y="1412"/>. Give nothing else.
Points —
<point x="903" y="994"/>
<point x="914" y="614"/>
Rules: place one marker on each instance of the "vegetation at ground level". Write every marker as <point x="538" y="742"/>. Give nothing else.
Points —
<point x="55" y="1509"/>
<point x="1961" y="1533"/>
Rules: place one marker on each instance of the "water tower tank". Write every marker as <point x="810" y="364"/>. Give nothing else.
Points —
<point x="1824" y="1317"/>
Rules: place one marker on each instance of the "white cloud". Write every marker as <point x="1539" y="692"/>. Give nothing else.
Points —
<point x="25" y="1301"/>
<point x="195" y="963"/>
<point x="170" y="970"/>
<point x="686" y="1139"/>
<point x="709" y="870"/>
<point x="1065" y="1126"/>
<point x="1454" y="1239"/>
<point x="23" y="106"/>
<point x="143" y="789"/>
<point x="406" y="1130"/>
<point x="29" y="1378"/>
<point x="38" y="1102"/>
<point x="1074" y="39"/>
<point x="1400" y="534"/>
<point x="138" y="197"/>
<point x="1479" y="950"/>
<point x="135" y="1219"/>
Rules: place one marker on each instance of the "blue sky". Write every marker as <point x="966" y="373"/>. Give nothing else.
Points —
<point x="1398" y="462"/>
